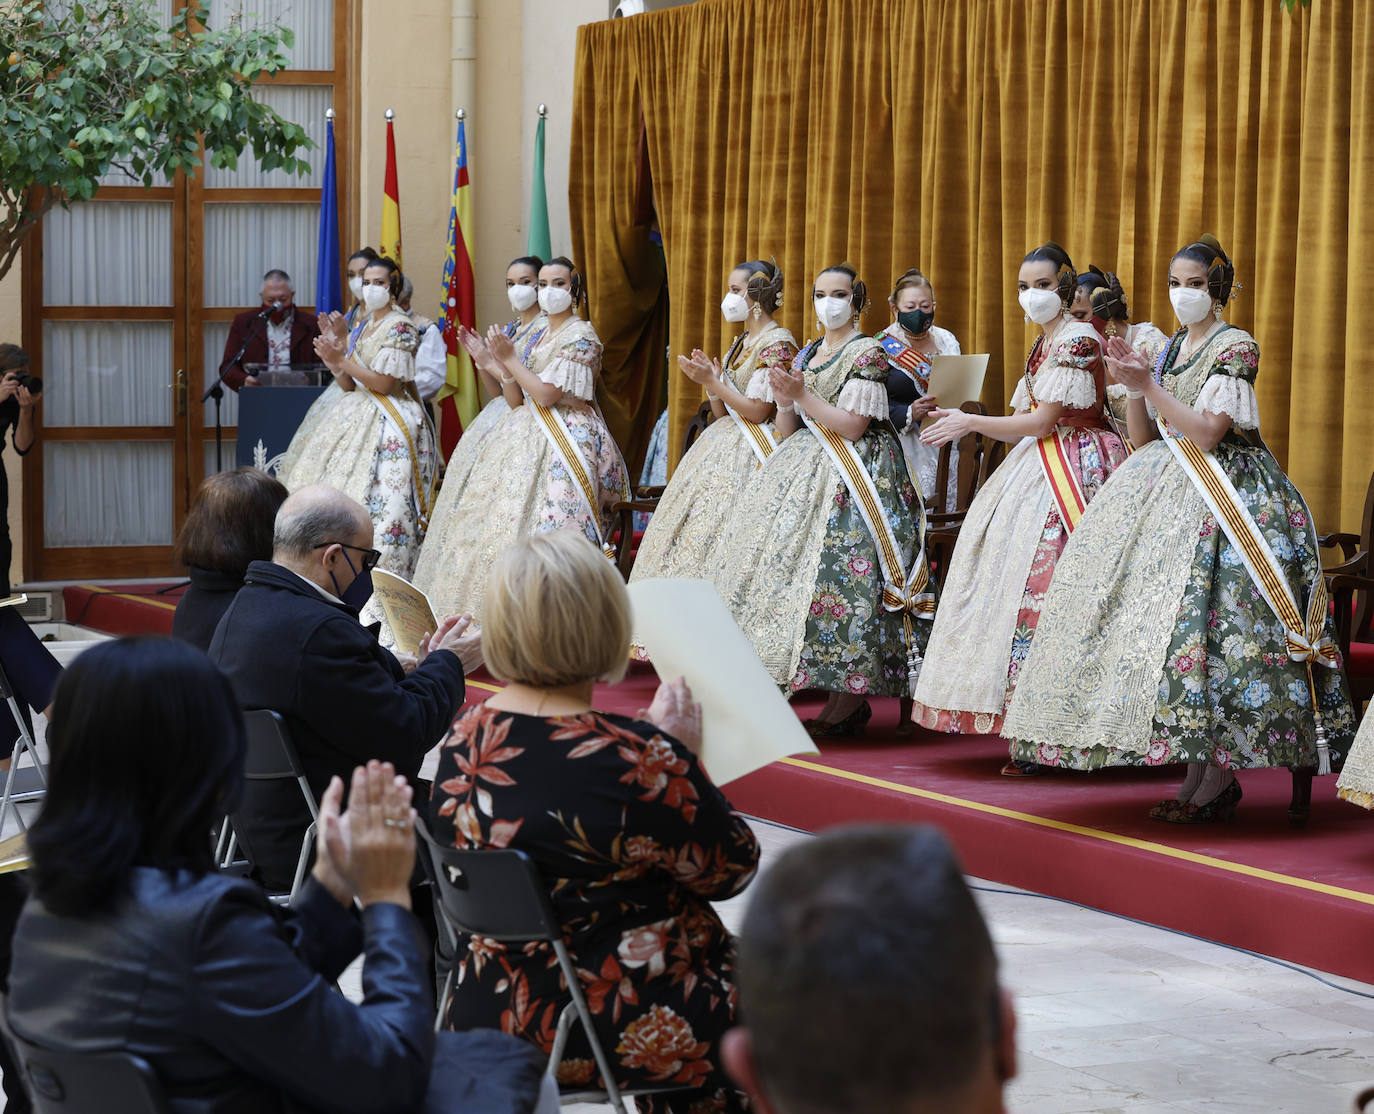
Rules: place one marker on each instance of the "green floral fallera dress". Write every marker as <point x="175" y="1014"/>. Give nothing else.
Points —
<point x="801" y="572"/>
<point x="1154" y="645"/>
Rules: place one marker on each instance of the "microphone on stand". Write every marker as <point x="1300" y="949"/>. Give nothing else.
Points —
<point x="267" y="311"/>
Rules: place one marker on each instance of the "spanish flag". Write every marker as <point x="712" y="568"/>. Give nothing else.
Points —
<point x="460" y="397"/>
<point x="391" y="199"/>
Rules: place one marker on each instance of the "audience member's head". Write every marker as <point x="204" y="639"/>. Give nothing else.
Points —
<point x="147" y="747"/>
<point x="868" y="982"/>
<point x="230" y="522"/>
<point x="12" y="358"/>
<point x="326" y="537"/>
<point x="556" y="613"/>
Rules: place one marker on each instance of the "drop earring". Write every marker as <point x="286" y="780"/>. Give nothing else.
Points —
<point x="756" y="311"/>
<point x="1216" y="311"/>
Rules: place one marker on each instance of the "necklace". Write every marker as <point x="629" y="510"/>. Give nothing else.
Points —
<point x="547" y="338"/>
<point x="826" y="348"/>
<point x="1186" y="353"/>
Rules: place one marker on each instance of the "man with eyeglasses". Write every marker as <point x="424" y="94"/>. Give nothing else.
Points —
<point x="291" y="642"/>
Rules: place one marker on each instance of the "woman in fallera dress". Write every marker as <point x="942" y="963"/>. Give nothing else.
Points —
<point x="366" y="434"/>
<point x="700" y="506"/>
<point x="522" y="290"/>
<point x="911" y="342"/>
<point x="805" y="573"/>
<point x="1020" y="521"/>
<point x="1156" y="645"/>
<point x="1146" y="340"/>
<point x="1357" y="778"/>
<point x="549" y="464"/>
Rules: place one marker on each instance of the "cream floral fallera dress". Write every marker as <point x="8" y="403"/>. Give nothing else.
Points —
<point x="1005" y="555"/>
<point x="701" y="503"/>
<point x="1154" y="644"/>
<point x="1357" y="779"/>
<point x="800" y="570"/>
<point x="346" y="441"/>
<point x="519" y="486"/>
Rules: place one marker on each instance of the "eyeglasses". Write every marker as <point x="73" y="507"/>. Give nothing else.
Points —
<point x="370" y="556"/>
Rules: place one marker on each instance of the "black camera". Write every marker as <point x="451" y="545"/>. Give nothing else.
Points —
<point x="30" y="383"/>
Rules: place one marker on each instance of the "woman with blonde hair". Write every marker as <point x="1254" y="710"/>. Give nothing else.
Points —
<point x="631" y="835"/>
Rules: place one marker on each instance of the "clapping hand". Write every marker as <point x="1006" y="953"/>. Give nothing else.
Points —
<point x="500" y="345"/>
<point x="1127" y="366"/>
<point x="454" y="634"/>
<point x="785" y="384"/>
<point x="949" y="425"/>
<point x="698" y="368"/>
<point x="333" y="324"/>
<point x="330" y="348"/>
<point x="675" y="713"/>
<point x="476" y="347"/>
<point x="369" y="851"/>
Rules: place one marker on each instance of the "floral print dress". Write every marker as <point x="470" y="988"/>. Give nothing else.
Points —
<point x="634" y="842"/>
<point x="800" y="570"/>
<point x="1154" y="644"/>
<point x="1010" y="541"/>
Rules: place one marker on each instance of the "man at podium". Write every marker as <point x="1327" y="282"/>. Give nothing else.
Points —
<point x="274" y="334"/>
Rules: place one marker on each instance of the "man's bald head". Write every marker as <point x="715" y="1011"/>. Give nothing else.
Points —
<point x="317" y="516"/>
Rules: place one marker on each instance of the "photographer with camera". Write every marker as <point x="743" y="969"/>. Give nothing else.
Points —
<point x="19" y="391"/>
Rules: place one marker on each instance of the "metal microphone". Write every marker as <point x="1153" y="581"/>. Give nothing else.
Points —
<point x="267" y="311"/>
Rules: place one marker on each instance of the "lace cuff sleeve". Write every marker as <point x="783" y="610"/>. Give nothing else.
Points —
<point x="575" y="377"/>
<point x="1225" y="394"/>
<point x="398" y="363"/>
<point x="759" y="387"/>
<point x="1071" y="387"/>
<point x="864" y="397"/>
<point x="1021" y="399"/>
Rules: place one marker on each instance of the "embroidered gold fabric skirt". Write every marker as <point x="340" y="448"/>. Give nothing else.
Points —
<point x="1357" y="779"/>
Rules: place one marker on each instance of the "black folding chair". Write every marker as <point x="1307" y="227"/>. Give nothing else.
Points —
<point x="500" y="894"/>
<point x="271" y="757"/>
<point x="80" y="1082"/>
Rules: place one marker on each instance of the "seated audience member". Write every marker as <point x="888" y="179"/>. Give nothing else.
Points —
<point x="291" y="641"/>
<point x="132" y="941"/>
<point x="634" y="839"/>
<point x="284" y="338"/>
<point x="229" y="526"/>
<point x="431" y="358"/>
<point x="868" y="982"/>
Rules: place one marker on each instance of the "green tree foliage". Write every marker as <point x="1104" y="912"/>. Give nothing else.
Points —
<point x="1291" y="6"/>
<point x="101" y="85"/>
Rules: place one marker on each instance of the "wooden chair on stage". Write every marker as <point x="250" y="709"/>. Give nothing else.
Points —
<point x="1351" y="587"/>
<point x="644" y="500"/>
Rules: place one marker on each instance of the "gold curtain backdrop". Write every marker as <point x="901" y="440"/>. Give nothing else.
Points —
<point x="955" y="135"/>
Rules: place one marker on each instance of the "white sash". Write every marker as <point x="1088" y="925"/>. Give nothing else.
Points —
<point x="755" y="435"/>
<point x="1307" y="640"/>
<point x="556" y="429"/>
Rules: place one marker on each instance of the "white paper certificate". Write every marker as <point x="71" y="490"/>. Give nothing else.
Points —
<point x="688" y="632"/>
<point x="955" y="380"/>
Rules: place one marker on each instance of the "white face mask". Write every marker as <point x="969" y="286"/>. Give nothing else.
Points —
<point x="1041" y="306"/>
<point x="355" y="286"/>
<point x="834" y="312"/>
<point x="554" y="299"/>
<point x="1190" y="305"/>
<point x="734" y="308"/>
<point x="375" y="297"/>
<point x="521" y="296"/>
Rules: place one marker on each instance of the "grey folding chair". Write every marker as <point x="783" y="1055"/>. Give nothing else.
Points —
<point x="271" y="757"/>
<point x="80" y="1082"/>
<point x="22" y="783"/>
<point x="500" y="894"/>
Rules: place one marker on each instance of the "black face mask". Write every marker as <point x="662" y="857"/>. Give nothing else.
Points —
<point x="916" y="321"/>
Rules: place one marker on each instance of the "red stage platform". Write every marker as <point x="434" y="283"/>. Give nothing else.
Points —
<point x="123" y="608"/>
<point x="1303" y="895"/>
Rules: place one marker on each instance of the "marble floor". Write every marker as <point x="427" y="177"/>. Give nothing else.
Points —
<point x="1116" y="1017"/>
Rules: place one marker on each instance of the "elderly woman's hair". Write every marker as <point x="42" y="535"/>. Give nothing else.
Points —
<point x="148" y="748"/>
<point x="556" y="613"/>
<point x="230" y="522"/>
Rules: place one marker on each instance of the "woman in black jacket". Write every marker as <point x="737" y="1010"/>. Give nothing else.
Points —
<point x="131" y="941"/>
<point x="228" y="527"/>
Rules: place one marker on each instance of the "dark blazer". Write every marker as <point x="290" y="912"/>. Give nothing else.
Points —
<point x="304" y="330"/>
<point x="285" y="646"/>
<point x="229" y="999"/>
<point x="202" y="606"/>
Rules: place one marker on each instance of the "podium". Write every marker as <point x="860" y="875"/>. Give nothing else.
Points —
<point x="270" y="413"/>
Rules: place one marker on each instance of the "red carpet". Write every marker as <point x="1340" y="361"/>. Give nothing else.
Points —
<point x="123" y="608"/>
<point x="1306" y="896"/>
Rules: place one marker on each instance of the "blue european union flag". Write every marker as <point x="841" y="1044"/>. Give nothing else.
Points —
<point x="328" y="296"/>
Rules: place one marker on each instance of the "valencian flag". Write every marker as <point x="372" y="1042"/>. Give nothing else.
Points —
<point x="328" y="297"/>
<point x="459" y="398"/>
<point x="391" y="199"/>
<point x="538" y="242"/>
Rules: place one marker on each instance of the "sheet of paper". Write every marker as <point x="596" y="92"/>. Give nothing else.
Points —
<point x="407" y="609"/>
<point x="955" y="380"/>
<point x="688" y="632"/>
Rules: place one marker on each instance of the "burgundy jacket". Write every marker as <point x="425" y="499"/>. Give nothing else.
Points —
<point x="304" y="330"/>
